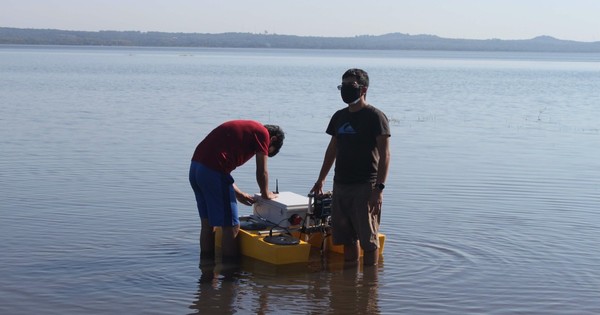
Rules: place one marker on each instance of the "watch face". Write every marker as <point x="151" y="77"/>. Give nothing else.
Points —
<point x="380" y="186"/>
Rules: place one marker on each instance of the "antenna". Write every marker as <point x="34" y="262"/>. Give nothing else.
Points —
<point x="276" y="185"/>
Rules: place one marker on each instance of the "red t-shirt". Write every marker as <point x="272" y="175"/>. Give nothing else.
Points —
<point x="232" y="144"/>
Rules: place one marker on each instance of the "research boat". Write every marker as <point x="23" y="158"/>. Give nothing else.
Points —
<point x="284" y="230"/>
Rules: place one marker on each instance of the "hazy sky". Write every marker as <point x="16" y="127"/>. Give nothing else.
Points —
<point x="473" y="19"/>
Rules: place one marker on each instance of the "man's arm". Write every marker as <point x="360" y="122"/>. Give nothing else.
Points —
<point x="262" y="176"/>
<point x="383" y="148"/>
<point x="328" y="161"/>
<point x="242" y="197"/>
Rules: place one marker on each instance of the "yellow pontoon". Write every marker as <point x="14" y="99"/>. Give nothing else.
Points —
<point x="283" y="230"/>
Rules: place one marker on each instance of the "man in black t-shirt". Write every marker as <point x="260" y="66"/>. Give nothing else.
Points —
<point x="359" y="147"/>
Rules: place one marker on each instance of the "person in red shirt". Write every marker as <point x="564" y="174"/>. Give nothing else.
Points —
<point x="225" y="148"/>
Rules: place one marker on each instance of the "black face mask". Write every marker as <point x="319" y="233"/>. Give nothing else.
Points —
<point x="350" y="94"/>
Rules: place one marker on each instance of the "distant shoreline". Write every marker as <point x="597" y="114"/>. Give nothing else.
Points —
<point x="393" y="41"/>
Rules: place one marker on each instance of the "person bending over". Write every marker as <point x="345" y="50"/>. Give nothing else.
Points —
<point x="226" y="147"/>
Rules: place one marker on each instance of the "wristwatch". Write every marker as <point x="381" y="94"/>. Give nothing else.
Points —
<point x="380" y="186"/>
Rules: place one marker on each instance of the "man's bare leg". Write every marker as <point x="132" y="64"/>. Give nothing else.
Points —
<point x="207" y="240"/>
<point x="371" y="258"/>
<point x="229" y="243"/>
<point x="351" y="253"/>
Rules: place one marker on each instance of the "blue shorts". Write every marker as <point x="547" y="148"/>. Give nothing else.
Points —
<point x="215" y="196"/>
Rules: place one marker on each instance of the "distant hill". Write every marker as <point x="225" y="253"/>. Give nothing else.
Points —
<point x="393" y="41"/>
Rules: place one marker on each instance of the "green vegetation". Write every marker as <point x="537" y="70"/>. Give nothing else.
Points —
<point x="394" y="41"/>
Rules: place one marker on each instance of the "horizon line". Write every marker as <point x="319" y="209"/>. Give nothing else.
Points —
<point x="266" y="33"/>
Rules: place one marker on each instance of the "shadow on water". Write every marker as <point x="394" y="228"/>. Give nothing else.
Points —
<point x="325" y="285"/>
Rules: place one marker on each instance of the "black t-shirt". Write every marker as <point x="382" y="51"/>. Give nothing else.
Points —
<point x="356" y="134"/>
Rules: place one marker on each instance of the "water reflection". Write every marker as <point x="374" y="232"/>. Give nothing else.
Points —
<point x="355" y="291"/>
<point x="326" y="285"/>
<point x="217" y="288"/>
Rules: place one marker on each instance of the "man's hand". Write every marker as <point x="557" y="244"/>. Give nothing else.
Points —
<point x="376" y="201"/>
<point x="269" y="195"/>
<point x="244" y="198"/>
<point x="317" y="188"/>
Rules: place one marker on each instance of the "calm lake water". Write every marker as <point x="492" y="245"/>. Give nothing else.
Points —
<point x="491" y="207"/>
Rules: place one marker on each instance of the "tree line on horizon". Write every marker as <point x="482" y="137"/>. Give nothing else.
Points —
<point x="393" y="41"/>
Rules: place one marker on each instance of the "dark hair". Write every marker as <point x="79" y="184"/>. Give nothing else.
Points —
<point x="277" y="132"/>
<point x="362" y="77"/>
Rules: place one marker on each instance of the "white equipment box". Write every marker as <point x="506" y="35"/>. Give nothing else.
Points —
<point x="280" y="209"/>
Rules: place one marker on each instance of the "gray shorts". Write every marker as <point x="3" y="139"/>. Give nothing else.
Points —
<point x="351" y="219"/>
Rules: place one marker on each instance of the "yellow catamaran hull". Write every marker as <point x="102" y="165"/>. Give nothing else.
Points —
<point x="253" y="244"/>
<point x="256" y="243"/>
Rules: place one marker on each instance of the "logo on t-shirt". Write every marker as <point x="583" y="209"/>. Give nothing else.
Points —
<point x="346" y="128"/>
